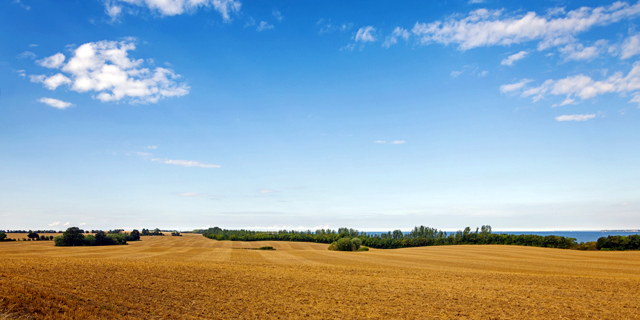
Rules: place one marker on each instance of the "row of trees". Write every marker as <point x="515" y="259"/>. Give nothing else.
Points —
<point x="418" y="237"/>
<point x="74" y="236"/>
<point x="631" y="242"/>
<point x="154" y="232"/>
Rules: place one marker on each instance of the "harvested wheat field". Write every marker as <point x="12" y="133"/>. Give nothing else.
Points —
<point x="192" y="277"/>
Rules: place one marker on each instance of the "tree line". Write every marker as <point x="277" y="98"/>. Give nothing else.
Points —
<point x="74" y="236"/>
<point x="619" y="243"/>
<point x="423" y="236"/>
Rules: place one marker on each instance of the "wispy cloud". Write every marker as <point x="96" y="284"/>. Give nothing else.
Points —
<point x="579" y="52"/>
<point x="366" y="34"/>
<point x="576" y="117"/>
<point x="393" y="38"/>
<point x="379" y="141"/>
<point x="105" y="68"/>
<point x="151" y="147"/>
<point x="581" y="86"/>
<point x="277" y="15"/>
<point x="506" y="88"/>
<point x="59" y="104"/>
<point x="186" y="163"/>
<point x="630" y="47"/>
<point x="398" y="142"/>
<point x="264" y="26"/>
<point x="114" y="8"/>
<point x="54" y="224"/>
<point x="266" y="191"/>
<point x="24" y="6"/>
<point x="83" y="224"/>
<point x="327" y="26"/>
<point x="27" y="55"/>
<point x="513" y="58"/>
<point x="484" y="27"/>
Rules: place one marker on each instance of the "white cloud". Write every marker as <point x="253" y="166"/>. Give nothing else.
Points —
<point x="483" y="73"/>
<point x="576" y="117"/>
<point x="398" y="142"/>
<point x="506" y="88"/>
<point x="55" y="103"/>
<point x="53" y="62"/>
<point x="54" y="224"/>
<point x="112" y="10"/>
<point x="51" y="82"/>
<point x="151" y="147"/>
<point x="276" y="14"/>
<point x="186" y="163"/>
<point x="105" y="68"/>
<point x="476" y="1"/>
<point x="83" y="224"/>
<point x="174" y="7"/>
<point x="366" y="34"/>
<point x="393" y="38"/>
<point x="456" y="73"/>
<point x="630" y="47"/>
<point x="266" y="191"/>
<point x="66" y="224"/>
<point x="583" y="87"/>
<point x="513" y="58"/>
<point x="264" y="26"/>
<point x="27" y="55"/>
<point x="565" y="102"/>
<point x="484" y="27"/>
<point x="379" y="141"/>
<point x="580" y="52"/>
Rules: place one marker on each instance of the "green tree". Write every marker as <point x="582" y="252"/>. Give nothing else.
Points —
<point x="356" y="242"/>
<point x="3" y="236"/>
<point x="134" y="235"/>
<point x="72" y="237"/>
<point x="33" y="236"/>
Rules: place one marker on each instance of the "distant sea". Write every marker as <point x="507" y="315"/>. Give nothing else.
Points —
<point x="580" y="236"/>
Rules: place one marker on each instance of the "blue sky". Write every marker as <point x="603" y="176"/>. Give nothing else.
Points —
<point x="375" y="115"/>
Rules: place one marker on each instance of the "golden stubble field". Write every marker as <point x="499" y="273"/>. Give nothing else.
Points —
<point x="192" y="277"/>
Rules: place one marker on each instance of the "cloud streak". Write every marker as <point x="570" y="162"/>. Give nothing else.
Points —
<point x="186" y="163"/>
<point x="580" y="86"/>
<point x="575" y="117"/>
<point x="513" y="58"/>
<point x="484" y="27"/>
<point x="58" y="104"/>
<point x="114" y="8"/>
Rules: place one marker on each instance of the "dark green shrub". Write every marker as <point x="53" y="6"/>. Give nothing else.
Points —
<point x="356" y="243"/>
<point x="3" y="236"/>
<point x="363" y="248"/>
<point x="266" y="248"/>
<point x="33" y="236"/>
<point x="134" y="235"/>
<point x="89" y="240"/>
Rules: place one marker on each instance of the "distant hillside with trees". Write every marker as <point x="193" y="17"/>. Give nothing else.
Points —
<point x="418" y="237"/>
